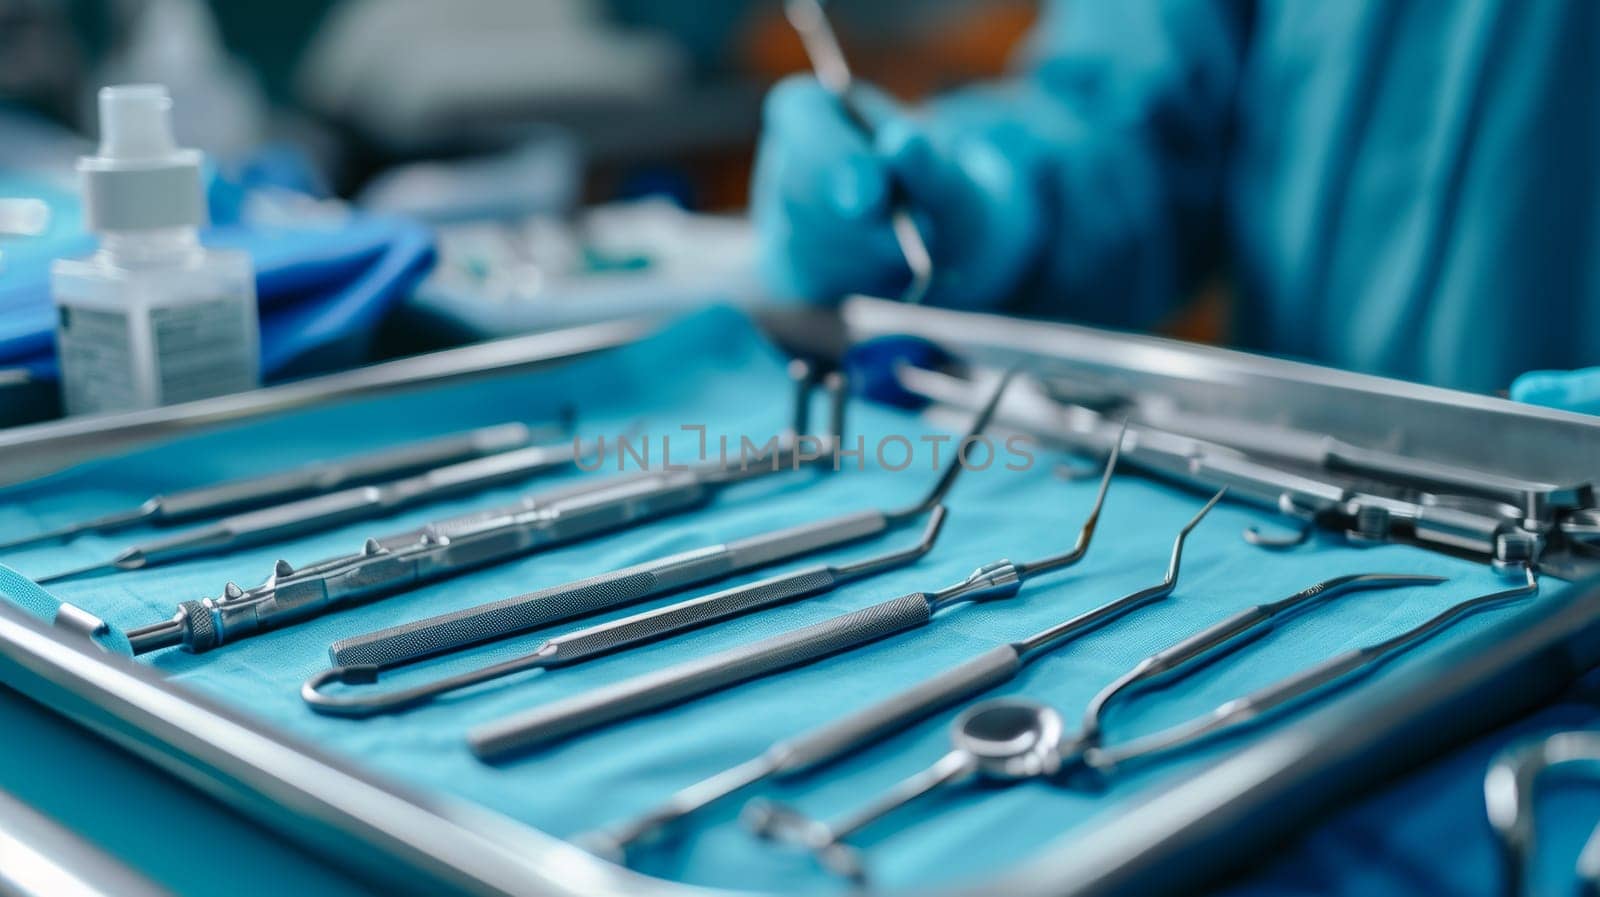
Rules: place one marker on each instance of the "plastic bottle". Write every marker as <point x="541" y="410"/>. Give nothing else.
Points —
<point x="153" y="317"/>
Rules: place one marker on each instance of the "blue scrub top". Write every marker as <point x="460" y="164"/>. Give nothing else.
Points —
<point x="1403" y="188"/>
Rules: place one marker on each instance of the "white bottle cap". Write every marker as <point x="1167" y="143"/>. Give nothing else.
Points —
<point x="140" y="178"/>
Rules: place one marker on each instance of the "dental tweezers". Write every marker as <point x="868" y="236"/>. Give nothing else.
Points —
<point x="188" y="505"/>
<point x="452" y="546"/>
<point x="833" y="741"/>
<point x="993" y="581"/>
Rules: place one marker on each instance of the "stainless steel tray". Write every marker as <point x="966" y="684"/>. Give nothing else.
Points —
<point x="1167" y="842"/>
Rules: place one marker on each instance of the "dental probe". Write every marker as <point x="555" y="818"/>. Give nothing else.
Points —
<point x="615" y="635"/>
<point x="335" y="509"/>
<point x="833" y="741"/>
<point x="455" y="630"/>
<point x="997" y="580"/>
<point x="323" y="512"/>
<point x="313" y="479"/>
<point x="449" y="547"/>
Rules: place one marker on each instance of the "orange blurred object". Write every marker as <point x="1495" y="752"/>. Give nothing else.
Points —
<point x="959" y="46"/>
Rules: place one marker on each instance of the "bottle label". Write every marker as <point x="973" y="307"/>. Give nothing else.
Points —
<point x="96" y="353"/>
<point x="200" y="351"/>
<point x="196" y="351"/>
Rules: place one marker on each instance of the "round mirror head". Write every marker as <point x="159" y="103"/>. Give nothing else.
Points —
<point x="1010" y="739"/>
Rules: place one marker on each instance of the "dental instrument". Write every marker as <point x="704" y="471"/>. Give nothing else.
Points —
<point x="1366" y="511"/>
<point x="993" y="581"/>
<point x="833" y="741"/>
<point x="810" y="21"/>
<point x="313" y="479"/>
<point x="453" y="631"/>
<point x="1002" y="740"/>
<point x="1338" y="670"/>
<point x="604" y="638"/>
<point x="452" y="546"/>
<point x="323" y="512"/>
<point x="1006" y="740"/>
<point x="1509" y="791"/>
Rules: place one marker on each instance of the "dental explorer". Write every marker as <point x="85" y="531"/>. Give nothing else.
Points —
<point x="1007" y="739"/>
<point x="993" y="581"/>
<point x="453" y="631"/>
<point x="810" y="21"/>
<point x="323" y="512"/>
<point x="449" y="547"/>
<point x="615" y="635"/>
<point x="1509" y="791"/>
<point x="833" y="741"/>
<point x="313" y="479"/>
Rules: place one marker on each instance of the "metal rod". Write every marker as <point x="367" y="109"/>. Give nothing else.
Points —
<point x="1337" y="670"/>
<point x="449" y="547"/>
<point x="539" y="726"/>
<point x="312" y="479"/>
<point x="810" y="21"/>
<point x="615" y="635"/>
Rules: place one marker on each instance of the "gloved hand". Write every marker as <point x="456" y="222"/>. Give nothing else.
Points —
<point x="822" y="190"/>
<point x="1568" y="390"/>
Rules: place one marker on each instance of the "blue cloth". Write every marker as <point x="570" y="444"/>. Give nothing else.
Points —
<point x="1392" y="187"/>
<point x="322" y="287"/>
<point x="1390" y="844"/>
<point x="715" y="370"/>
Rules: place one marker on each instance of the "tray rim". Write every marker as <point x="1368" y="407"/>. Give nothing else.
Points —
<point x="422" y="842"/>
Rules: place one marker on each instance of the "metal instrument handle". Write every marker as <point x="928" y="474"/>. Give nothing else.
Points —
<point x="497" y="619"/>
<point x="221" y="498"/>
<point x="633" y="697"/>
<point x="595" y="512"/>
<point x="1223" y="632"/>
<point x="834" y="740"/>
<point x="1234" y="632"/>
<point x="459" y="629"/>
<point x="474" y="540"/>
<point x="1335" y="671"/>
<point x="685" y="615"/>
<point x="768" y="548"/>
<point x="259" y="527"/>
<point x="490" y="470"/>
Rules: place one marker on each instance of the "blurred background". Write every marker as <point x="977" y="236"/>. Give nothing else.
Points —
<point x="570" y="160"/>
<point x="656" y="97"/>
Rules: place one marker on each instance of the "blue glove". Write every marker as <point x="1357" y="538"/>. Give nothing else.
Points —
<point x="822" y="190"/>
<point x="1568" y="390"/>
